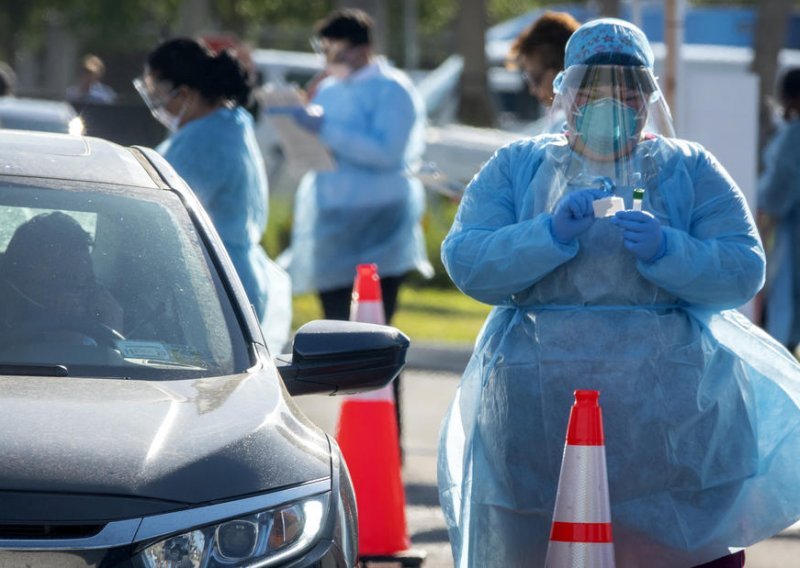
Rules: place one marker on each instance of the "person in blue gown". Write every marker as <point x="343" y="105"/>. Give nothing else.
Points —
<point x="701" y="408"/>
<point x="779" y="198"/>
<point x="199" y="97"/>
<point x="368" y="209"/>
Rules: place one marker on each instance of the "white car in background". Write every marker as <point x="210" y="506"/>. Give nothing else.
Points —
<point x="41" y="115"/>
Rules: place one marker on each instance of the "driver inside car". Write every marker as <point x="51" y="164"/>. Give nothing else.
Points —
<point x="48" y="285"/>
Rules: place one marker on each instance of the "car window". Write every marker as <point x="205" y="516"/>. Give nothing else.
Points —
<point x="111" y="282"/>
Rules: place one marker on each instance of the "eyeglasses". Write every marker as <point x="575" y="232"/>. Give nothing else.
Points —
<point x="331" y="49"/>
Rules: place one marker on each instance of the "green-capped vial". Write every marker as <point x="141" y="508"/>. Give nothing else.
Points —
<point x="638" y="195"/>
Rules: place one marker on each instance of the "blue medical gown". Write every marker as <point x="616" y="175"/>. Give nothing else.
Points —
<point x="218" y="156"/>
<point x="700" y="407"/>
<point x="779" y="196"/>
<point x="368" y="209"/>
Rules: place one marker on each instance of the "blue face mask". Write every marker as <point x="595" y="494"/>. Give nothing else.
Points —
<point x="606" y="125"/>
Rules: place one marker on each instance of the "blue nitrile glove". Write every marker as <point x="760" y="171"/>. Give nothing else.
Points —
<point x="642" y="234"/>
<point x="574" y="214"/>
<point x="308" y="117"/>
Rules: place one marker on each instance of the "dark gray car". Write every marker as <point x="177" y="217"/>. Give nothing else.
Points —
<point x="142" y="420"/>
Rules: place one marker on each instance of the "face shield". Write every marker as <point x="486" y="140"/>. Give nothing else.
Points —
<point x="609" y="109"/>
<point x="156" y="95"/>
<point x="611" y="116"/>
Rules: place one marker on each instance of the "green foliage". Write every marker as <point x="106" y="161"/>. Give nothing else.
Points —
<point x="123" y="24"/>
<point x="424" y="314"/>
<point x="428" y="314"/>
<point x="501" y="10"/>
<point x="248" y="17"/>
<point x="279" y="225"/>
<point x="435" y="224"/>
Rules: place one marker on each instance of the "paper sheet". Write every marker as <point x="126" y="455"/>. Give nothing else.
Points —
<point x="303" y="149"/>
<point x="607" y="206"/>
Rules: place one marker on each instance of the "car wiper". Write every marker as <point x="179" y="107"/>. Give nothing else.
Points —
<point x="33" y="370"/>
<point x="161" y="364"/>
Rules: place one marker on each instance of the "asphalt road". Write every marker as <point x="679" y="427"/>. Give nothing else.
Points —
<point x="426" y="395"/>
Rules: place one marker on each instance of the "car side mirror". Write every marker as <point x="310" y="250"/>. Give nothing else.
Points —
<point x="342" y="357"/>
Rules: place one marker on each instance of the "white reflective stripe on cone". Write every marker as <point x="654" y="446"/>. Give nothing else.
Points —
<point x="580" y="555"/>
<point x="583" y="486"/>
<point x="384" y="393"/>
<point x="368" y="312"/>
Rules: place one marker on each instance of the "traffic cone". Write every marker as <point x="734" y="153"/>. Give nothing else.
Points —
<point x="367" y="436"/>
<point x="581" y="530"/>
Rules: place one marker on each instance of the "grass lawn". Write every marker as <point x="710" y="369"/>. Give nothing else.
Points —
<point x="424" y="314"/>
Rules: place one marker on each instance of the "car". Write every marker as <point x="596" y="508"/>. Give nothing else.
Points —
<point x="22" y="113"/>
<point x="144" y="422"/>
<point x="454" y="153"/>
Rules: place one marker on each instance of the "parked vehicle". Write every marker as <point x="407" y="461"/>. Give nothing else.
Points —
<point x="144" y="422"/>
<point x="39" y="114"/>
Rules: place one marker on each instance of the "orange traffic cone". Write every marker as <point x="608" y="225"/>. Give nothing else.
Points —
<point x="581" y="530"/>
<point x="367" y="436"/>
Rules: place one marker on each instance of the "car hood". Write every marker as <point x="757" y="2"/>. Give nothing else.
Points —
<point x="188" y="442"/>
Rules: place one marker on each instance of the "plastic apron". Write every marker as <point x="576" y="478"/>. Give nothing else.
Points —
<point x="701" y="442"/>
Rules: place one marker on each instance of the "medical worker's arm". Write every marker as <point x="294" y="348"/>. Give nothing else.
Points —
<point x="489" y="253"/>
<point x="720" y="261"/>
<point x="383" y="144"/>
<point x="779" y="185"/>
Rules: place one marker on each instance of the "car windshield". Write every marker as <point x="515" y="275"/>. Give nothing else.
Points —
<point x="110" y="282"/>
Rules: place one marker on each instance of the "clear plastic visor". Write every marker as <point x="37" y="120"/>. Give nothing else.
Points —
<point x="155" y="94"/>
<point x="609" y="108"/>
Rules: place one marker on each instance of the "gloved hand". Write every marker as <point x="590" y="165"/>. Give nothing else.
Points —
<point x="308" y="117"/>
<point x="642" y="234"/>
<point x="574" y="214"/>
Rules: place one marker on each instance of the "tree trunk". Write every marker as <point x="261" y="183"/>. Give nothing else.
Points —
<point x="609" y="8"/>
<point x="194" y="17"/>
<point x="770" y="36"/>
<point x="475" y="106"/>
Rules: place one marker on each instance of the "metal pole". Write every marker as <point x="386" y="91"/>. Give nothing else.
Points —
<point x="674" y="11"/>
<point x="636" y="13"/>
<point x="411" y="55"/>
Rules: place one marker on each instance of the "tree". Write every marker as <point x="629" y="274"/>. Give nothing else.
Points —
<point x="609" y="8"/>
<point x="475" y="106"/>
<point x="770" y="37"/>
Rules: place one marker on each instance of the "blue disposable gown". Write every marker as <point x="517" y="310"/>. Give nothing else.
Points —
<point x="368" y="209"/>
<point x="700" y="407"/>
<point x="218" y="157"/>
<point x="779" y="196"/>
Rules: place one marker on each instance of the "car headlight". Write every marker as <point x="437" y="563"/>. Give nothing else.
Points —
<point x="261" y="539"/>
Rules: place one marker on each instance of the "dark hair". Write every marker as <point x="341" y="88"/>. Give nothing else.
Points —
<point x="351" y="24"/>
<point x="185" y="61"/>
<point x="790" y="85"/>
<point x="546" y="38"/>
<point x="54" y="234"/>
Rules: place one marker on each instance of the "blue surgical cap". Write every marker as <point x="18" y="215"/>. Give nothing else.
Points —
<point x="608" y="41"/>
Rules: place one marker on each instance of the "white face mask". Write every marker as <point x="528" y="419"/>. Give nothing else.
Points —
<point x="171" y="121"/>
